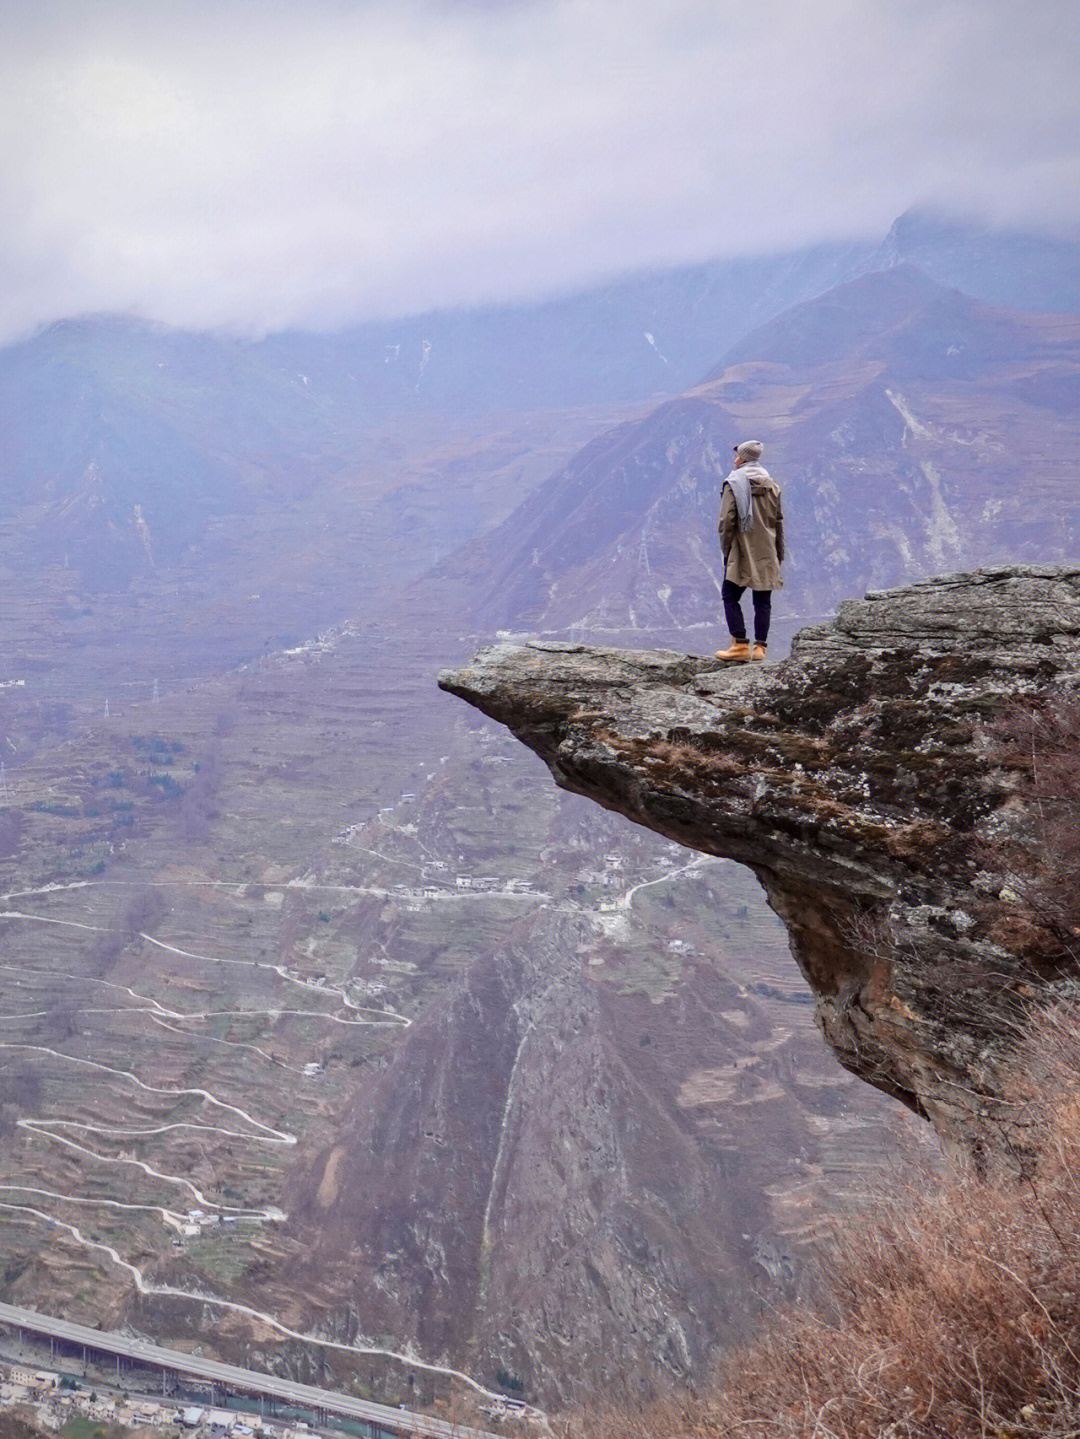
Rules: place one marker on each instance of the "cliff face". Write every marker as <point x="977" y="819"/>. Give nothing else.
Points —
<point x="859" y="783"/>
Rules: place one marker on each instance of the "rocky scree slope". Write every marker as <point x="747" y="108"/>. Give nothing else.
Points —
<point x="860" y="782"/>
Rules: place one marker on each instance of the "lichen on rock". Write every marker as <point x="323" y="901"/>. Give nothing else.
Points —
<point x="858" y="780"/>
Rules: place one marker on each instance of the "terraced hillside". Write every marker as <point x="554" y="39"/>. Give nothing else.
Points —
<point x="324" y="1018"/>
<point x="333" y="1039"/>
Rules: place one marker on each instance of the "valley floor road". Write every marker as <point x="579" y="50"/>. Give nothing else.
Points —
<point x="230" y="1376"/>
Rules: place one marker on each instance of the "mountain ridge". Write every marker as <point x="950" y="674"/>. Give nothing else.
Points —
<point x="914" y="413"/>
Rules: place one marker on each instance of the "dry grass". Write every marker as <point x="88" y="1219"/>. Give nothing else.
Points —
<point x="678" y="759"/>
<point x="953" y="1307"/>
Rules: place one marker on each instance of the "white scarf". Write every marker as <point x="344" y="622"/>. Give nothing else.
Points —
<point x="740" y="488"/>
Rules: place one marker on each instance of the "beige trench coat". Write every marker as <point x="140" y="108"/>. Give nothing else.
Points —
<point x="754" y="560"/>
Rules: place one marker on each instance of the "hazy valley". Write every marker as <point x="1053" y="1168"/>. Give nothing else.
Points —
<point x="333" y="1037"/>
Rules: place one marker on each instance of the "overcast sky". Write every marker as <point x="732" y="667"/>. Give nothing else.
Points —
<point x="255" y="164"/>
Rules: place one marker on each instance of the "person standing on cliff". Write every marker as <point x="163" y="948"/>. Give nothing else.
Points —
<point x="751" y="530"/>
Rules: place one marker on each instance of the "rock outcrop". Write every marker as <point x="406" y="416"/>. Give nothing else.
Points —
<point x="861" y="782"/>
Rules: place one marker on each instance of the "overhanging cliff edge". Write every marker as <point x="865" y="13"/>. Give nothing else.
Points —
<point x="859" y="780"/>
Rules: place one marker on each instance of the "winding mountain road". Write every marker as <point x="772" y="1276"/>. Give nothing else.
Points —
<point x="241" y="1125"/>
<point x="258" y="1132"/>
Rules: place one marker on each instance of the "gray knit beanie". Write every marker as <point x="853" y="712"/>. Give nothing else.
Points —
<point x="749" y="450"/>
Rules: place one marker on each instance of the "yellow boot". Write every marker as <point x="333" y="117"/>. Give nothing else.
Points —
<point x="739" y="650"/>
<point x="759" y="652"/>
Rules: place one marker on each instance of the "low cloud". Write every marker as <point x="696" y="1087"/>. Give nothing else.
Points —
<point x="251" y="167"/>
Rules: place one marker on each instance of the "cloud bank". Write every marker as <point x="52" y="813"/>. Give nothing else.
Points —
<point x="253" y="166"/>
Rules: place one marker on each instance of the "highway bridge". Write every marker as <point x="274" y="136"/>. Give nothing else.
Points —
<point x="381" y="1419"/>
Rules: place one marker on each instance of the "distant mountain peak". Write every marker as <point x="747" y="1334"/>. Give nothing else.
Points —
<point x="838" y="323"/>
<point x="1000" y="264"/>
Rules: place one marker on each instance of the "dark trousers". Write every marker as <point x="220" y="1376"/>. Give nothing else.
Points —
<point x="731" y="595"/>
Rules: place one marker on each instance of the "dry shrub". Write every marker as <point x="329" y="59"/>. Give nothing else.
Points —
<point x="680" y="758"/>
<point x="953" y="1306"/>
<point x="198" y="804"/>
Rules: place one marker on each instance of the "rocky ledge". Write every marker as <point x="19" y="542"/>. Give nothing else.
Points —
<point x="862" y="781"/>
